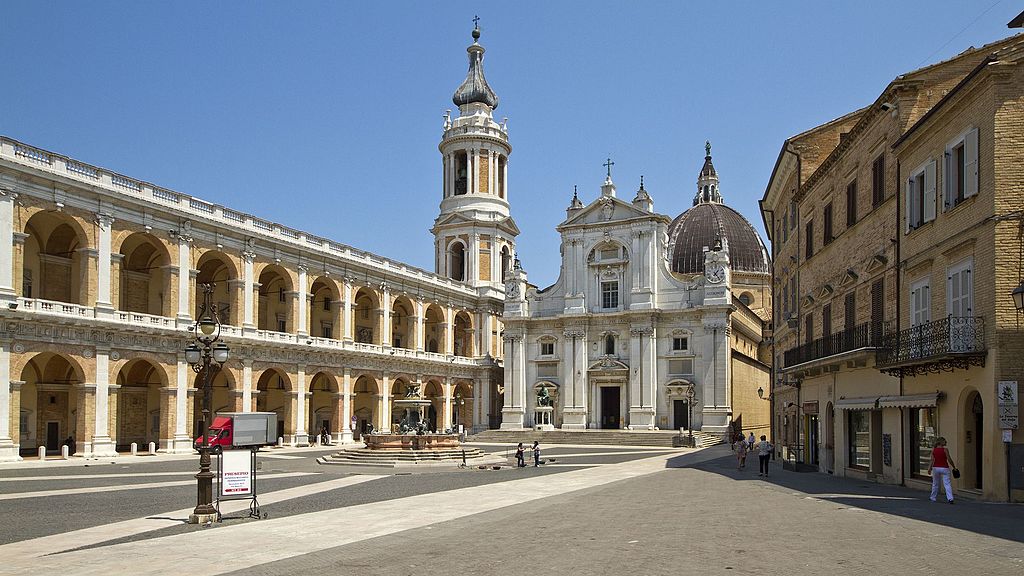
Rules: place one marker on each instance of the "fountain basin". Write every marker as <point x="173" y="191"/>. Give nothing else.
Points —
<point x="411" y="441"/>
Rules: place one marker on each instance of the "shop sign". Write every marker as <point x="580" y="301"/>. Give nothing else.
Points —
<point x="1007" y="407"/>
<point x="811" y="407"/>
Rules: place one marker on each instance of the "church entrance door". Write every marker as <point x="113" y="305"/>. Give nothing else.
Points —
<point x="680" y="416"/>
<point x="610" y="407"/>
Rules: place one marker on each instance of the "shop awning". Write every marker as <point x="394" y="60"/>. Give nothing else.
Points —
<point x="912" y="401"/>
<point x="864" y="403"/>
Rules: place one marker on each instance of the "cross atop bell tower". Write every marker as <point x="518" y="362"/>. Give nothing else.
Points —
<point x="474" y="234"/>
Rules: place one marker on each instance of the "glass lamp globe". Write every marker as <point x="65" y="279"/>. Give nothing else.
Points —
<point x="220" y="353"/>
<point x="1018" y="297"/>
<point x="193" y="355"/>
<point x="207" y="325"/>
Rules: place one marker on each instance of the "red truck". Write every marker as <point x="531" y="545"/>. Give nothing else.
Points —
<point x="240" y="429"/>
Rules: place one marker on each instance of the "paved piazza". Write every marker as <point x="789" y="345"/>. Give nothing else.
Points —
<point x="588" y="509"/>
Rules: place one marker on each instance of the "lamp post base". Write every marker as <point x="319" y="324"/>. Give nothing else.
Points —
<point x="194" y="518"/>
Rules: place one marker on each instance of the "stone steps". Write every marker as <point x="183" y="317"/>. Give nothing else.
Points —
<point x="667" y="439"/>
<point x="400" y="458"/>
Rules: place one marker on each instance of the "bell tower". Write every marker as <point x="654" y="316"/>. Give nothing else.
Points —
<point x="474" y="234"/>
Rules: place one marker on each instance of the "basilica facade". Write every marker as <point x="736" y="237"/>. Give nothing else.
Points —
<point x="102" y="277"/>
<point x="653" y="323"/>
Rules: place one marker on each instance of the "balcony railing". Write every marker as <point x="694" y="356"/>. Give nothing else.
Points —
<point x="942" y="345"/>
<point x="867" y="335"/>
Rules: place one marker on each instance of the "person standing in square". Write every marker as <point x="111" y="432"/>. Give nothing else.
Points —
<point x="536" y="453"/>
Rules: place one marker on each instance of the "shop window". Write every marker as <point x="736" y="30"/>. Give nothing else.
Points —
<point x="859" y="438"/>
<point x="922" y="437"/>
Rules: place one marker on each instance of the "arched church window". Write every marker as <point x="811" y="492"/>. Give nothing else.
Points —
<point x="461" y="173"/>
<point x="506" y="263"/>
<point x="609" y="344"/>
<point x="457" y="268"/>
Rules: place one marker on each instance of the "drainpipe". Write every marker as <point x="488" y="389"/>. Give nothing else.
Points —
<point x="904" y="460"/>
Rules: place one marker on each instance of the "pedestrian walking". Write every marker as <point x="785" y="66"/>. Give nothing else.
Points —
<point x="520" y="460"/>
<point x="750" y="442"/>
<point x="764" y="454"/>
<point x="940" y="466"/>
<point x="741" y="453"/>
<point x="730" y="436"/>
<point x="536" y="453"/>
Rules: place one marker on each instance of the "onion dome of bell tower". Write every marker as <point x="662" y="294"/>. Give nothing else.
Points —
<point x="475" y="88"/>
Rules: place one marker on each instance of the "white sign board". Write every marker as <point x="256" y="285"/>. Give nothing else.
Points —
<point x="236" y="473"/>
<point x="1006" y="398"/>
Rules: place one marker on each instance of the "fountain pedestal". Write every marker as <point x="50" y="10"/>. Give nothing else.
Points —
<point x="542" y="418"/>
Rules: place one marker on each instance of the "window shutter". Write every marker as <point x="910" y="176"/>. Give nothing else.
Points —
<point x="971" y="163"/>
<point x="947" y="181"/>
<point x="909" y="219"/>
<point x="926" y="313"/>
<point x="928" y="211"/>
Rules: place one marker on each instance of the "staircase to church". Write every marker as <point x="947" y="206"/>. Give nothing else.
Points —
<point x="401" y="458"/>
<point x="654" y="438"/>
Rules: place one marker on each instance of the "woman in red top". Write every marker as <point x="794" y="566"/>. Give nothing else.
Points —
<point x="939" y="466"/>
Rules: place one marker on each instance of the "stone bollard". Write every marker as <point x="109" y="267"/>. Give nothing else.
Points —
<point x="42" y="452"/>
<point x="64" y="452"/>
<point x="280" y="442"/>
<point x="152" y="448"/>
<point x="135" y="448"/>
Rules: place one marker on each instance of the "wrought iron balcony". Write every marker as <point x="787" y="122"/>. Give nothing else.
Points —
<point x="942" y="345"/>
<point x="862" y="336"/>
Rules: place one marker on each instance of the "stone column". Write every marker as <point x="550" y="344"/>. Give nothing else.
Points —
<point x="8" y="409"/>
<point x="505" y="179"/>
<point x="302" y="294"/>
<point x="247" y="385"/>
<point x="346" y="311"/>
<point x="346" y="407"/>
<point x="473" y="275"/>
<point x="385" y="403"/>
<point x="299" y="414"/>
<point x="15" y="403"/>
<point x="449" y="333"/>
<point x="85" y="420"/>
<point x="471" y="176"/>
<point x="104" y="305"/>
<point x="7" y="263"/>
<point x="248" y="258"/>
<point x="182" y="443"/>
<point x="420" y="327"/>
<point x="513" y="412"/>
<point x="103" y="444"/>
<point x="641" y="390"/>
<point x="184" y="317"/>
<point x="168" y="411"/>
<point x="486" y="334"/>
<point x="477" y="406"/>
<point x="385" y="305"/>
<point x="715" y="404"/>
<point x="574" y="367"/>
<point x="446" y="408"/>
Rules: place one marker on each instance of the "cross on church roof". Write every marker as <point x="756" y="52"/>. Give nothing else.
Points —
<point x="476" y="21"/>
<point x="609" y="165"/>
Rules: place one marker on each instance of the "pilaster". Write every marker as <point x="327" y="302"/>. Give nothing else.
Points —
<point x="8" y="449"/>
<point x="7" y="260"/>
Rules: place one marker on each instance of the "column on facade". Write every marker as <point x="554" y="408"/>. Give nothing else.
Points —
<point x="446" y="411"/>
<point x="477" y="386"/>
<point x="103" y="223"/>
<point x="301" y="408"/>
<point x="449" y="333"/>
<point x="487" y="334"/>
<point x="513" y="411"/>
<point x="636" y="261"/>
<point x="385" y="403"/>
<point x="346" y="407"/>
<point x="85" y="421"/>
<point x="346" y="311"/>
<point x="420" y="327"/>
<point x="248" y="290"/>
<point x="642" y="405"/>
<point x="182" y="421"/>
<point x="449" y="175"/>
<point x="302" y="298"/>
<point x="471" y="176"/>
<point x="473" y="273"/>
<point x="8" y="409"/>
<point x="168" y="413"/>
<point x="715" y="404"/>
<point x="574" y="368"/>
<point x="385" y="305"/>
<point x="185" y="281"/>
<point x="247" y="400"/>
<point x="504" y="173"/>
<point x="7" y="260"/>
<point x="103" y="444"/>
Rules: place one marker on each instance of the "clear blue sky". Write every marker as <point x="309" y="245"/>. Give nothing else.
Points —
<point x="326" y="116"/>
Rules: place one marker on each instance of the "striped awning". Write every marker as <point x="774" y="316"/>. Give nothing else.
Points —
<point x="863" y="403"/>
<point x="913" y="401"/>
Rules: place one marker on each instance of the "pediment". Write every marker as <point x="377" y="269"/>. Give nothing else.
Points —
<point x="605" y="209"/>
<point x="877" y="262"/>
<point x="609" y="364"/>
<point x="848" y="278"/>
<point x="456" y="219"/>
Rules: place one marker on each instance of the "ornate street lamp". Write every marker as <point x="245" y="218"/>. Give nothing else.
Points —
<point x="1018" y="297"/>
<point x="206" y="354"/>
<point x="691" y="397"/>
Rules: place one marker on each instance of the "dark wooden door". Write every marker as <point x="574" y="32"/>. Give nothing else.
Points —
<point x="53" y="436"/>
<point x="610" y="407"/>
<point x="681" y="416"/>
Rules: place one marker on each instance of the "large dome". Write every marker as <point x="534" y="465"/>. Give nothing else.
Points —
<point x="704" y="225"/>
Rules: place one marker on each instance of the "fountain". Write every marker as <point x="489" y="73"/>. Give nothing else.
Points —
<point x="414" y="444"/>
